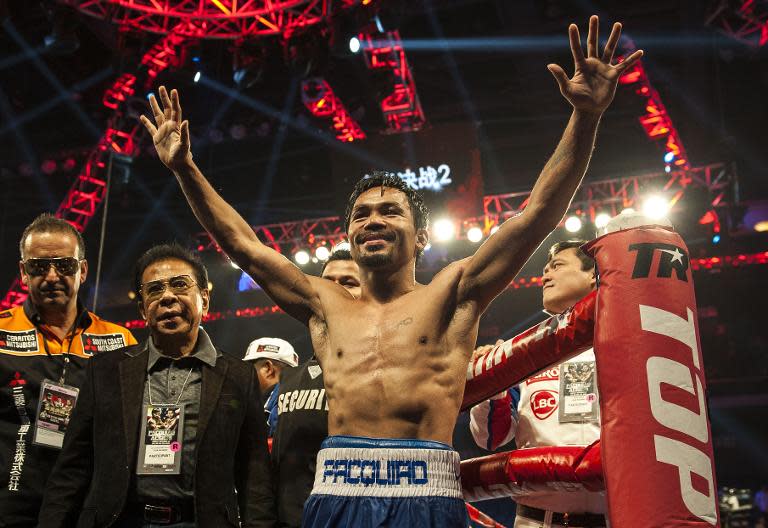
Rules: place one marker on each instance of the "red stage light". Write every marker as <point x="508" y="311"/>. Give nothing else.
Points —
<point x="747" y="23"/>
<point x="220" y="19"/>
<point x="319" y="99"/>
<point x="120" y="90"/>
<point x="401" y="108"/>
<point x="708" y="218"/>
<point x="656" y="122"/>
<point x="48" y="167"/>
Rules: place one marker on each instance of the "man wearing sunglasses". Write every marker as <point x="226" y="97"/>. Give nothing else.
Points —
<point x="169" y="432"/>
<point x="45" y="345"/>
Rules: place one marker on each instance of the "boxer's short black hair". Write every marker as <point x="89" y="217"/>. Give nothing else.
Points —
<point x="587" y="263"/>
<point x="419" y="209"/>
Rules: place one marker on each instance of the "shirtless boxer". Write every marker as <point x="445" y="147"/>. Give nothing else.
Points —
<point x="395" y="359"/>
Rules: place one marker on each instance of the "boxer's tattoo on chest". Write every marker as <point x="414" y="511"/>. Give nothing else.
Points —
<point x="404" y="322"/>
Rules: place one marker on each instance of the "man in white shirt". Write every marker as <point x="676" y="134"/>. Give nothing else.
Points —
<point x="558" y="407"/>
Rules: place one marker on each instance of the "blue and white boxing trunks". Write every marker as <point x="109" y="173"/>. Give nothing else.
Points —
<point x="372" y="482"/>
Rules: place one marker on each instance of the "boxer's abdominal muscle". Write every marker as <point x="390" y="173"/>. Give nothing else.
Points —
<point x="395" y="370"/>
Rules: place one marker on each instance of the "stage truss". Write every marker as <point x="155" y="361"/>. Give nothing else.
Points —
<point x="705" y="264"/>
<point x="184" y="21"/>
<point x="592" y="198"/>
<point x="401" y="107"/>
<point x="742" y="20"/>
<point x="212" y="19"/>
<point x="87" y="193"/>
<point x="321" y="101"/>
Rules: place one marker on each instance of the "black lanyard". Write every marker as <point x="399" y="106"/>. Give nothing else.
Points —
<point x="71" y="334"/>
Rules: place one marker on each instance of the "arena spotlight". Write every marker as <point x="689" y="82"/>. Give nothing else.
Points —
<point x="669" y="157"/>
<point x="573" y="224"/>
<point x="474" y="234"/>
<point x="444" y="230"/>
<point x="601" y="220"/>
<point x="197" y="76"/>
<point x="655" y="207"/>
<point x="354" y="44"/>
<point x="716" y="239"/>
<point x="301" y="257"/>
<point x="322" y="253"/>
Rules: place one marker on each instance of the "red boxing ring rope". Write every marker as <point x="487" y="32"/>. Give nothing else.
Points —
<point x="548" y="343"/>
<point x="655" y="458"/>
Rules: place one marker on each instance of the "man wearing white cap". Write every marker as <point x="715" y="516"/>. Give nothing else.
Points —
<point x="270" y="355"/>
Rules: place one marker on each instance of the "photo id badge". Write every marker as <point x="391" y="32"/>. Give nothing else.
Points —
<point x="162" y="429"/>
<point x="53" y="413"/>
<point x="578" y="392"/>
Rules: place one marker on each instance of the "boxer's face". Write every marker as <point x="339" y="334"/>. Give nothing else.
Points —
<point x="344" y="273"/>
<point x="564" y="282"/>
<point x="381" y="229"/>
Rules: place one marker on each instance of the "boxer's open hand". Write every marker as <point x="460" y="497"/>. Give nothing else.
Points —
<point x="593" y="85"/>
<point x="169" y="133"/>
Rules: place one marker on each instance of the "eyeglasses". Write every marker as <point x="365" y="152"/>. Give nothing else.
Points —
<point x="153" y="290"/>
<point x="39" y="267"/>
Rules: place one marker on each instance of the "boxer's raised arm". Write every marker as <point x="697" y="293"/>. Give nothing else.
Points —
<point x="590" y="92"/>
<point x="288" y="286"/>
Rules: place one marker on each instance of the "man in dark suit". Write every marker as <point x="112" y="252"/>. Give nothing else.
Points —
<point x="169" y="432"/>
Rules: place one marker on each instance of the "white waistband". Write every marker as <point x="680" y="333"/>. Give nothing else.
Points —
<point x="383" y="472"/>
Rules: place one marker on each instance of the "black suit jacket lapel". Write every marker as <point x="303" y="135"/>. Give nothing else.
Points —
<point x="213" y="380"/>
<point x="133" y="371"/>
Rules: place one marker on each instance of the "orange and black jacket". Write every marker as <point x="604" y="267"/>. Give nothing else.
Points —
<point x="29" y="354"/>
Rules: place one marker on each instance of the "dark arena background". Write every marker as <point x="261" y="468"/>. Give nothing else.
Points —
<point x="290" y="102"/>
